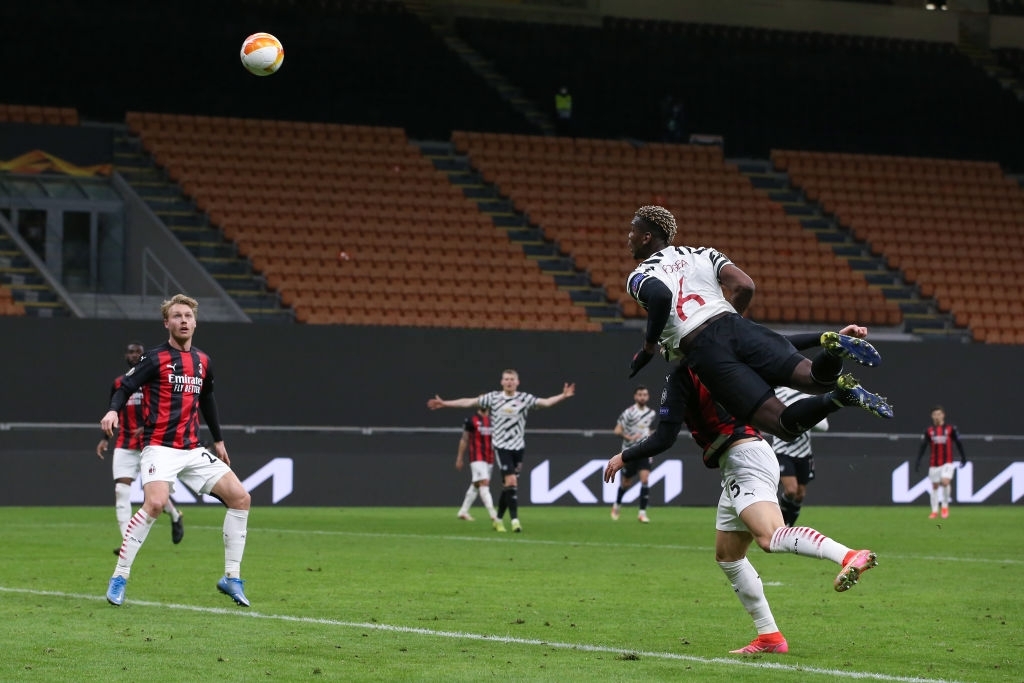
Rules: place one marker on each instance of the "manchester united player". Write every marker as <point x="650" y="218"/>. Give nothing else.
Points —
<point x="178" y="380"/>
<point x="508" y="409"/>
<point x="634" y="424"/>
<point x="476" y="440"/>
<point x="128" y="451"/>
<point x="695" y="297"/>
<point x="939" y="439"/>
<point x="748" y="509"/>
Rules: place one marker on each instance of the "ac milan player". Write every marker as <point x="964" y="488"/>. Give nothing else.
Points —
<point x="749" y="508"/>
<point x="476" y="440"/>
<point x="128" y="452"/>
<point x="939" y="439"/>
<point x="178" y="380"/>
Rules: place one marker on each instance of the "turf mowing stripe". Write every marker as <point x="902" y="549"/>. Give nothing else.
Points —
<point x="731" y="662"/>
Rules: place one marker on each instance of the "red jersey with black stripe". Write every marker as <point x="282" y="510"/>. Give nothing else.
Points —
<point x="712" y="427"/>
<point x="176" y="383"/>
<point x="940" y="439"/>
<point x="131" y="417"/>
<point x="480" y="447"/>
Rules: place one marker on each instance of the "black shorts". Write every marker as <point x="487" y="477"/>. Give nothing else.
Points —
<point x="635" y="467"/>
<point x="510" y="461"/>
<point x="740" y="362"/>
<point x="801" y="468"/>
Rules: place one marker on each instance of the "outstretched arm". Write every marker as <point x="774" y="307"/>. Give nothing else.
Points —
<point x="438" y="402"/>
<point x="568" y="390"/>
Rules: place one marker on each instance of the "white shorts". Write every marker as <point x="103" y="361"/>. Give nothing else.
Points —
<point x="750" y="474"/>
<point x="125" y="463"/>
<point x="480" y="470"/>
<point x="198" y="469"/>
<point x="937" y="474"/>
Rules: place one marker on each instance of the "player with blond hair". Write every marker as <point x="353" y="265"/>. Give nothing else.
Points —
<point x="178" y="380"/>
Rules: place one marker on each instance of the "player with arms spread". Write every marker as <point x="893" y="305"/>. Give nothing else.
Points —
<point x="508" y="408"/>
<point x="694" y="297"/>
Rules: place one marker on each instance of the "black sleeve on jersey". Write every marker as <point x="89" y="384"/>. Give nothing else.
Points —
<point x="658" y="442"/>
<point x="959" y="445"/>
<point x="804" y="340"/>
<point x="657" y="299"/>
<point x="136" y="377"/>
<point x="208" y="405"/>
<point x="467" y="426"/>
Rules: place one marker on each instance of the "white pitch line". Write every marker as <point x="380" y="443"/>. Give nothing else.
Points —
<point x="508" y="640"/>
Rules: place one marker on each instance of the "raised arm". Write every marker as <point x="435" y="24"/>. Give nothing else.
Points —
<point x="438" y="402"/>
<point x="568" y="389"/>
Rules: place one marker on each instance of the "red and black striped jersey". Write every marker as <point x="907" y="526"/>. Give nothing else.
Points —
<point x="478" y="427"/>
<point x="177" y="386"/>
<point x="711" y="426"/>
<point x="130" y="418"/>
<point x="940" y="440"/>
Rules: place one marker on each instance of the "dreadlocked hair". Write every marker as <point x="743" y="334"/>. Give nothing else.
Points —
<point x="661" y="218"/>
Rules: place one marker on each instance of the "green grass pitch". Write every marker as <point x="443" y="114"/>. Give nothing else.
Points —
<point x="374" y="594"/>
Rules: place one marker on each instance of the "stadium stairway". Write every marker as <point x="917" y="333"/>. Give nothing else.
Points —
<point x="29" y="294"/>
<point x="24" y="288"/>
<point x="206" y="242"/>
<point x="563" y="271"/>
<point x="921" y="315"/>
<point x="482" y="67"/>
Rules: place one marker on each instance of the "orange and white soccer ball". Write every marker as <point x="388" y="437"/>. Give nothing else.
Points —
<point x="262" y="54"/>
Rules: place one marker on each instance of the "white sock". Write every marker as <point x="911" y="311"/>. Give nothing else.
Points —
<point x="172" y="511"/>
<point x="803" y="540"/>
<point x="947" y="495"/>
<point x="468" y="500"/>
<point x="235" y="522"/>
<point x="488" y="500"/>
<point x="122" y="505"/>
<point x="138" y="528"/>
<point x="749" y="589"/>
<point x="934" y="494"/>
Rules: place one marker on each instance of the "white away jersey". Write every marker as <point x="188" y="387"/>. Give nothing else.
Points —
<point x="635" y="420"/>
<point x="508" y="417"/>
<point x="691" y="274"/>
<point x="800" y="447"/>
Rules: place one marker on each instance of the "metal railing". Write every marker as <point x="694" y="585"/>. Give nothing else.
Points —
<point x="155" y="272"/>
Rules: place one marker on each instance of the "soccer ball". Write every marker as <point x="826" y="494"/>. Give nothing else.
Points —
<point x="262" y="54"/>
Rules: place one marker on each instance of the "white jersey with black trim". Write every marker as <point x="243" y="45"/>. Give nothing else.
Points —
<point x="508" y="417"/>
<point x="691" y="274"/>
<point x="634" y="420"/>
<point x="800" y="447"/>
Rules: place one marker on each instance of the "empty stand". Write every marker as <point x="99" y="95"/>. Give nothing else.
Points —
<point x="583" y="193"/>
<point x="53" y="116"/>
<point x="352" y="224"/>
<point x="952" y="227"/>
